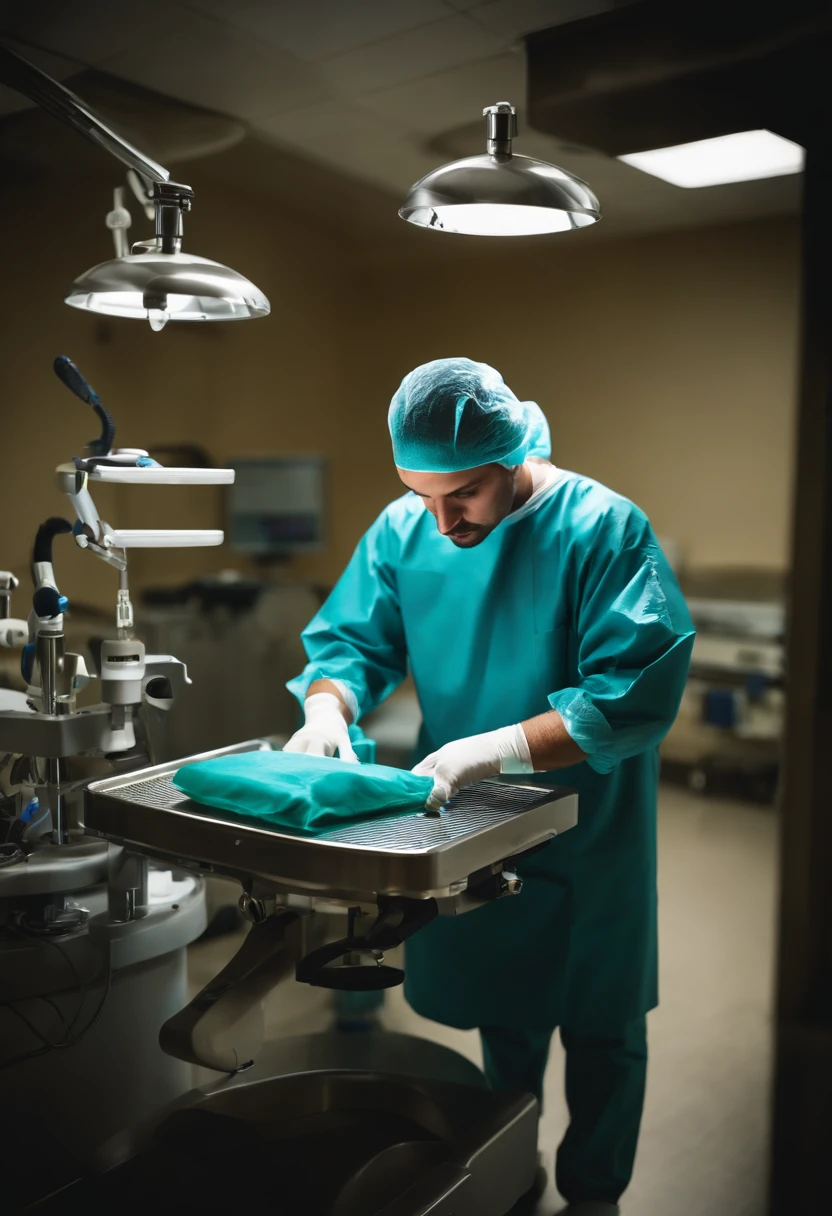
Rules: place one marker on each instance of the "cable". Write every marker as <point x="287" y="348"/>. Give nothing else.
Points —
<point x="27" y="935"/>
<point x="59" y="1013"/>
<point x="55" y="992"/>
<point x="33" y="1029"/>
<point x="70" y="1039"/>
<point x="81" y="986"/>
<point x="21" y="1059"/>
<point x="56" y="946"/>
<point x="97" y="1015"/>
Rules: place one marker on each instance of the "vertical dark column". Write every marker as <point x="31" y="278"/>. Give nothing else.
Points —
<point x="802" y="1164"/>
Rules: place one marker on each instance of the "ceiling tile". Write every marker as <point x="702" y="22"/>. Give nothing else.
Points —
<point x="409" y="56"/>
<point x="513" y="18"/>
<point x="89" y="30"/>
<point x="221" y="68"/>
<point x="350" y="139"/>
<point x="311" y="29"/>
<point x="452" y="98"/>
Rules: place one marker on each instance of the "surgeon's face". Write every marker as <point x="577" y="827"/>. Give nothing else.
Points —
<point x="468" y="505"/>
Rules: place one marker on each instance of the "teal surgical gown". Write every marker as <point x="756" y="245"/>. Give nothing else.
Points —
<point x="573" y="607"/>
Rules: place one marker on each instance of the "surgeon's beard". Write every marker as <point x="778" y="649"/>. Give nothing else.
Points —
<point x="517" y="490"/>
<point x="472" y="535"/>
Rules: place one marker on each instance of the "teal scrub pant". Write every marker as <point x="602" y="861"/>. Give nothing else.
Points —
<point x="605" y="1081"/>
<point x="357" y="1009"/>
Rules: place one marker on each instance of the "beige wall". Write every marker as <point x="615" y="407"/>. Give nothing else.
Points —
<point x="665" y="365"/>
<point x="272" y="385"/>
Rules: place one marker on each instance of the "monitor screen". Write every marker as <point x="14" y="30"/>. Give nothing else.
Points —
<point x="276" y="505"/>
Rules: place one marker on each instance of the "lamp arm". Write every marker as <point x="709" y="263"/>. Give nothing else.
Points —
<point x="58" y="101"/>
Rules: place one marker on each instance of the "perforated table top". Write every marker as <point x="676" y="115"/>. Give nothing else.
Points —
<point x="402" y="854"/>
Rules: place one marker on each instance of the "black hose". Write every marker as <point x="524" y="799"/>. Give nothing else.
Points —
<point x="47" y="600"/>
<point x="46" y="533"/>
<point x="68" y="374"/>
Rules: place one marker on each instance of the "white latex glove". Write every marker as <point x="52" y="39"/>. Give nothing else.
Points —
<point x="473" y="759"/>
<point x="325" y="731"/>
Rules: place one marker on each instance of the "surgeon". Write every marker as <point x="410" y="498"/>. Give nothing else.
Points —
<point x="545" y="633"/>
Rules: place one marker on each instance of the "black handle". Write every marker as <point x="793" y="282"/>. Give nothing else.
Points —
<point x="398" y="918"/>
<point x="46" y="533"/>
<point x="318" y="971"/>
<point x="68" y="374"/>
<point x="47" y="601"/>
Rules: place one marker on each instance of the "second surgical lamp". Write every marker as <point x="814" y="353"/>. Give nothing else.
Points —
<point x="500" y="193"/>
<point x="156" y="280"/>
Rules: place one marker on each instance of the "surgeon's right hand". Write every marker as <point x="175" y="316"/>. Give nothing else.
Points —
<point x="325" y="731"/>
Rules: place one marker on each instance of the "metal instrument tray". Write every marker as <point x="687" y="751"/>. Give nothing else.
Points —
<point x="414" y="854"/>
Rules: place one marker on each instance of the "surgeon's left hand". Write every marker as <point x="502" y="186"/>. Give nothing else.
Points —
<point x="473" y="759"/>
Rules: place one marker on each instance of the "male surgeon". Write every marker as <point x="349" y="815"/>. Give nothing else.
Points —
<point x="545" y="633"/>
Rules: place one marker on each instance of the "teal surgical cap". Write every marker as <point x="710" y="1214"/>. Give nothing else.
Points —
<point x="455" y="414"/>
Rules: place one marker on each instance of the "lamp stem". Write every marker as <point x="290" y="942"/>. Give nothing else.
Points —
<point x="58" y="101"/>
<point x="501" y="128"/>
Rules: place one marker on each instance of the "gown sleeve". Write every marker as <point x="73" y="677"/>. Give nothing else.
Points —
<point x="357" y="637"/>
<point x="635" y="638"/>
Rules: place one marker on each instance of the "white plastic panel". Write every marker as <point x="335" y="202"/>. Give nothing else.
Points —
<point x="169" y="538"/>
<point x="163" y="477"/>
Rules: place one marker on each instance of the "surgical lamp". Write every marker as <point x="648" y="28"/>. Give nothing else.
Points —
<point x="156" y="280"/>
<point x="500" y="193"/>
